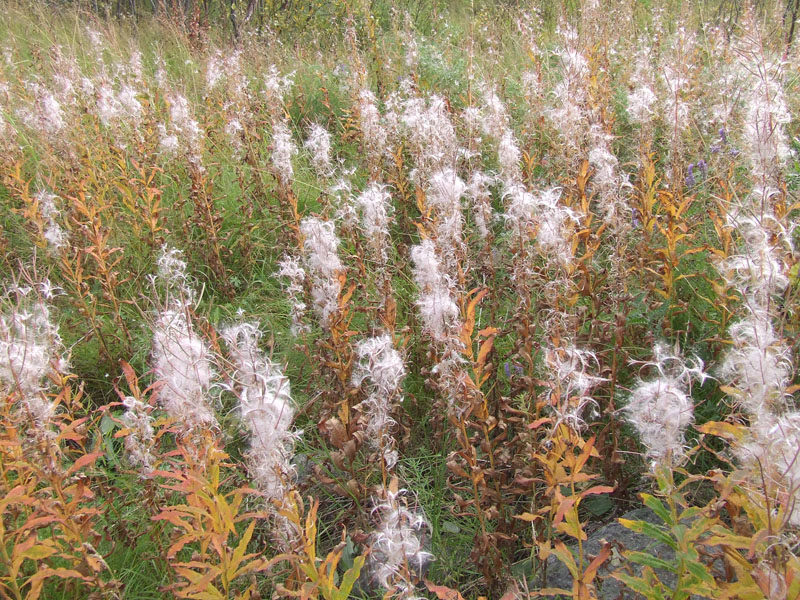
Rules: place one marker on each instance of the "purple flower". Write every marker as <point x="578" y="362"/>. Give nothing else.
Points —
<point x="723" y="135"/>
<point x="690" y="181"/>
<point x="703" y="167"/>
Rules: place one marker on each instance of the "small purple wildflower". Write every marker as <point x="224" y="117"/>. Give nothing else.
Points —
<point x="690" y="180"/>
<point x="723" y="135"/>
<point x="703" y="167"/>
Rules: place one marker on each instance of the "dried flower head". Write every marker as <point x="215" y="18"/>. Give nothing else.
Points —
<point x="380" y="370"/>
<point x="30" y="348"/>
<point x="398" y="556"/>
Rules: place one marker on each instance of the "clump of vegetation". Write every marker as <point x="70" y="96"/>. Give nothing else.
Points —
<point x="332" y="300"/>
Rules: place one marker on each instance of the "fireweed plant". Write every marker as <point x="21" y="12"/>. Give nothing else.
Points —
<point x="357" y="300"/>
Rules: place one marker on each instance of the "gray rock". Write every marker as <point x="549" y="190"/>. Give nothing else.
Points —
<point x="557" y="575"/>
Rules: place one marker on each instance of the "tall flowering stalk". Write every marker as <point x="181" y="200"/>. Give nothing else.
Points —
<point x="318" y="145"/>
<point x="320" y="246"/>
<point x="294" y="273"/>
<point x="661" y="409"/>
<point x="31" y="351"/>
<point x="398" y="558"/>
<point x="380" y="370"/>
<point x="267" y="410"/>
<point x="182" y="360"/>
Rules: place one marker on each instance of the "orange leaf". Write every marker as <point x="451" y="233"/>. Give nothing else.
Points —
<point x="591" y="570"/>
<point x="85" y="460"/>
<point x="443" y="592"/>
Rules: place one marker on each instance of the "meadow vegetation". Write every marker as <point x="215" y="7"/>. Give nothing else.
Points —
<point x="375" y="299"/>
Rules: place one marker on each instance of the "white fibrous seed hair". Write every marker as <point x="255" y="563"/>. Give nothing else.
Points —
<point x="372" y="130"/>
<point x="266" y="407"/>
<point x="766" y="113"/>
<point x="346" y="215"/>
<point x="431" y="135"/>
<point x="571" y="368"/>
<point x="172" y="274"/>
<point x="320" y="247"/>
<point x="437" y="308"/>
<point x="509" y="156"/>
<point x="234" y="131"/>
<point x="318" y="145"/>
<point x="494" y="122"/>
<point x="521" y="209"/>
<point x="55" y="236"/>
<point x="46" y="116"/>
<point x="445" y="189"/>
<point x="526" y="210"/>
<point x="758" y="271"/>
<point x="478" y="192"/>
<point x="758" y="366"/>
<point x="375" y="204"/>
<point x="295" y="274"/>
<point x="267" y="410"/>
<point x="182" y="361"/>
<point x="771" y="453"/>
<point x="30" y="349"/>
<point x="398" y="556"/>
<point x="640" y="104"/>
<point x="380" y="371"/>
<point x="660" y="410"/>
<point x="275" y="88"/>
<point x="606" y="181"/>
<point x="554" y="236"/>
<point x="283" y="149"/>
<point x="184" y="132"/>
<point x="139" y="439"/>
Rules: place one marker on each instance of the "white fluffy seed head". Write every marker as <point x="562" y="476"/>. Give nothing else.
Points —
<point x="437" y="308"/>
<point x="758" y="271"/>
<point x="375" y="205"/>
<point x="183" y="364"/>
<point x="266" y="408"/>
<point x="139" y="440"/>
<point x="372" y="129"/>
<point x="30" y="350"/>
<point x="318" y="145"/>
<point x="478" y="192"/>
<point x="380" y="370"/>
<point x="292" y="269"/>
<point x="320" y="246"/>
<point x="771" y="453"/>
<point x="398" y="555"/>
<point x="57" y="239"/>
<point x="758" y="366"/>
<point x="572" y="369"/>
<point x="283" y="149"/>
<point x="660" y="411"/>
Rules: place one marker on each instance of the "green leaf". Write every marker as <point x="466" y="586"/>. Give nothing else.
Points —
<point x="657" y="507"/>
<point x="642" y="558"/>
<point x="107" y="425"/>
<point x="450" y="527"/>
<point x="637" y="584"/>
<point x="598" y="505"/>
<point x="349" y="579"/>
<point x="650" y="531"/>
<point x="700" y="571"/>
